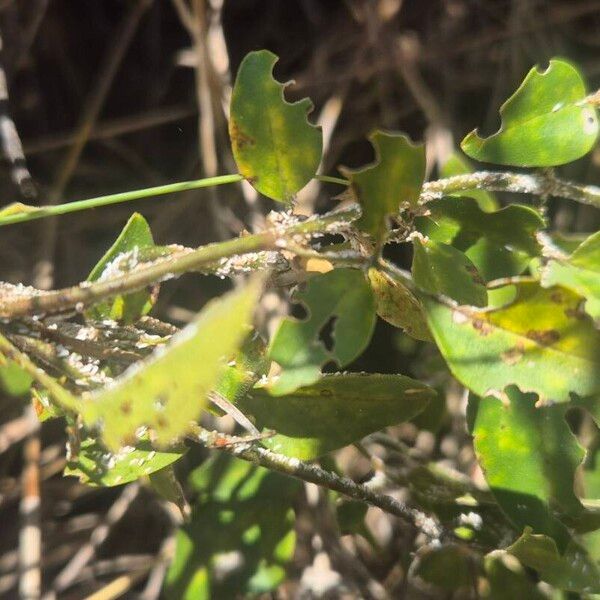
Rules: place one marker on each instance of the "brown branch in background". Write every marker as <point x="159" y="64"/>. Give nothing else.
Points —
<point x="312" y="473"/>
<point x="30" y="534"/>
<point x="112" y="61"/>
<point x="87" y="552"/>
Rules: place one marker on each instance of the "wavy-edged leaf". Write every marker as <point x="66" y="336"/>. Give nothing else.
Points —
<point x="571" y="570"/>
<point x="241" y="509"/>
<point x="499" y="243"/>
<point x="508" y="579"/>
<point x="541" y="342"/>
<point x="97" y="466"/>
<point x="544" y="123"/>
<point x="458" y="165"/>
<point x="395" y="178"/>
<point x="136" y="235"/>
<point x="529" y="457"/>
<point x="168" y="391"/>
<point x="276" y="149"/>
<point x="442" y="269"/>
<point x="579" y="272"/>
<point x="334" y="412"/>
<point x="397" y="305"/>
<point x="341" y="294"/>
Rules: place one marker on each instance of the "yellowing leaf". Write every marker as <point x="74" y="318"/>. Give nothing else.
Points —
<point x="169" y="390"/>
<point x="273" y="144"/>
<point x="580" y="272"/>
<point x="541" y="342"/>
<point x="546" y="122"/>
<point x="397" y="305"/>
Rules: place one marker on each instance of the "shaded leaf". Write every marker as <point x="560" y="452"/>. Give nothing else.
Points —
<point x="97" y="466"/>
<point x="441" y="269"/>
<point x="458" y="165"/>
<point x="397" y="305"/>
<point x="529" y="457"/>
<point x="343" y="294"/>
<point x="499" y="243"/>
<point x="508" y="579"/>
<point x="544" y="123"/>
<point x="136" y="235"/>
<point x="335" y="411"/>
<point x="540" y="342"/>
<point x="572" y="570"/>
<point x="579" y="272"/>
<point x="168" y="391"/>
<point x="273" y="144"/>
<point x="243" y="512"/>
<point x="395" y="178"/>
<point x="449" y="567"/>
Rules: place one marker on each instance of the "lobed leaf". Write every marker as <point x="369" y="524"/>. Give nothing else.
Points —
<point x="396" y="177"/>
<point x="170" y="389"/>
<point x="580" y="272"/>
<point x="335" y="411"/>
<point x="546" y="122"/>
<point x="541" y="342"/>
<point x="135" y="236"/>
<point x="242" y="509"/>
<point x="529" y="457"/>
<point x="341" y="294"/>
<point x="276" y="149"/>
<point x="441" y="269"/>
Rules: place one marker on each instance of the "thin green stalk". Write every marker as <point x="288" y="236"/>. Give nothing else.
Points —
<point x="63" y="209"/>
<point x="330" y="179"/>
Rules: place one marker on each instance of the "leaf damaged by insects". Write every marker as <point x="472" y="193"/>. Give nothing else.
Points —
<point x="538" y="342"/>
<point x="343" y="294"/>
<point x="168" y="391"/>
<point x="275" y="147"/>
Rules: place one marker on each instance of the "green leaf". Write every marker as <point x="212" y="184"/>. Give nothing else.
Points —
<point x="544" y="123"/>
<point x="136" y="235"/>
<point x="169" y="390"/>
<point x="397" y="305"/>
<point x="242" y="510"/>
<point x="97" y="466"/>
<point x="571" y="570"/>
<point x="395" y="178"/>
<point x="529" y="457"/>
<point x="580" y="273"/>
<point x="343" y="294"/>
<point x="449" y="567"/>
<point x="441" y="269"/>
<point x="508" y="579"/>
<point x="13" y="379"/>
<point x="540" y="342"/>
<point x="499" y="243"/>
<point x="274" y="146"/>
<point x="458" y="165"/>
<point x="335" y="411"/>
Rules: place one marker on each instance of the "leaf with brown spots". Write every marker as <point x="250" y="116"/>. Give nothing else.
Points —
<point x="579" y="272"/>
<point x="539" y="341"/>
<point x="276" y="149"/>
<point x="169" y="390"/>
<point x="397" y="305"/>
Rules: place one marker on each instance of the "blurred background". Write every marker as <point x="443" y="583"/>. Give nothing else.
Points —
<point x="115" y="95"/>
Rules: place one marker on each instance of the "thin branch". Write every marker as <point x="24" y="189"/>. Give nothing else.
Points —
<point x="312" y="473"/>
